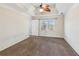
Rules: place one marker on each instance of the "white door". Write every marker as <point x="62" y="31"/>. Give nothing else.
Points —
<point x="35" y="27"/>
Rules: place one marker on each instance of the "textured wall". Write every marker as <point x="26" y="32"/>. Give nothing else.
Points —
<point x="72" y="27"/>
<point x="14" y="27"/>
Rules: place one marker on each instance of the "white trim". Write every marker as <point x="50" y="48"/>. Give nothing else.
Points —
<point x="11" y="42"/>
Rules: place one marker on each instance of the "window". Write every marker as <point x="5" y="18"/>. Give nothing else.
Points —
<point x="48" y="24"/>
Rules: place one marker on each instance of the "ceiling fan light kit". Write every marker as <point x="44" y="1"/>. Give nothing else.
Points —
<point x="44" y="7"/>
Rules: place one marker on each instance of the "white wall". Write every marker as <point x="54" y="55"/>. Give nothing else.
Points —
<point x="72" y="27"/>
<point x="14" y="27"/>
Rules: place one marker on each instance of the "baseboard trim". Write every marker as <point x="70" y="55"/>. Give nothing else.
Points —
<point x="49" y="37"/>
<point x="19" y="39"/>
<point x="71" y="45"/>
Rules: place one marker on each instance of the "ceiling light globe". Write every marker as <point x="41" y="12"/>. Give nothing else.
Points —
<point x="41" y="10"/>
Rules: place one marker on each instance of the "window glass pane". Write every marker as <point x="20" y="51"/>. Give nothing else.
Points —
<point x="48" y="24"/>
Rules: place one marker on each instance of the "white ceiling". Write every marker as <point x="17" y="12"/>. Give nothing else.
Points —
<point x="64" y="7"/>
<point x="29" y="7"/>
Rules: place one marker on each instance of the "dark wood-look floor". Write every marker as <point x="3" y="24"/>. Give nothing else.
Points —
<point x="40" y="46"/>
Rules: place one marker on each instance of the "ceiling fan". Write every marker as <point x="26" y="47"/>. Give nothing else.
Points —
<point x="44" y="8"/>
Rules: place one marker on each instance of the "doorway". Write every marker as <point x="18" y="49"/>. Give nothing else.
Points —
<point x="50" y="26"/>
